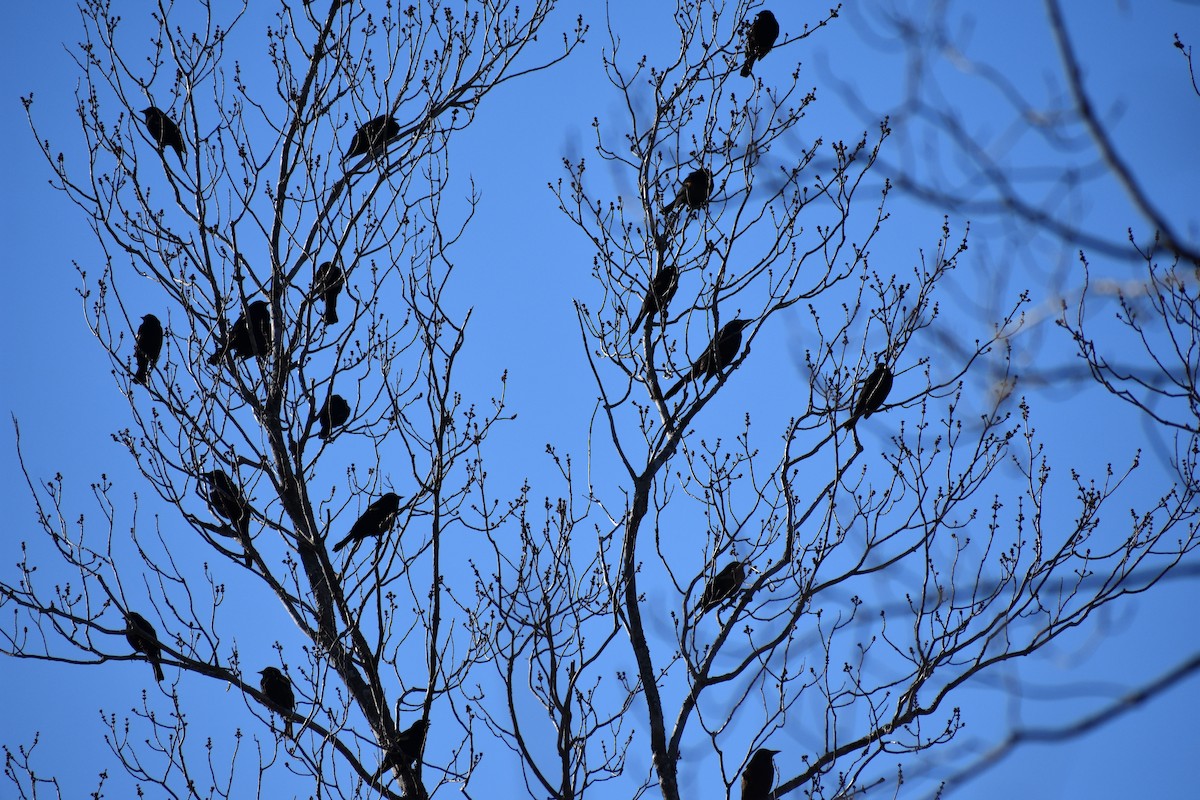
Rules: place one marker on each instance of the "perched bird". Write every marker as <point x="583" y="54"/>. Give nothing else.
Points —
<point x="328" y="284"/>
<point x="718" y="355"/>
<point x="333" y="414"/>
<point x="723" y="586"/>
<point x="142" y="638"/>
<point x="250" y="334"/>
<point x="278" y="690"/>
<point x="226" y="500"/>
<point x="871" y="394"/>
<point x="373" y="137"/>
<point x="406" y="749"/>
<point x="694" y="192"/>
<point x="379" y="517"/>
<point x="163" y="131"/>
<point x="662" y="289"/>
<point x="759" y="775"/>
<point x="760" y="38"/>
<point x="147" y="346"/>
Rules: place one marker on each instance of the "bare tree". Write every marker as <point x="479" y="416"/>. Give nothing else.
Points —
<point x="229" y="191"/>
<point x="1039" y="147"/>
<point x="879" y="578"/>
<point x="701" y="592"/>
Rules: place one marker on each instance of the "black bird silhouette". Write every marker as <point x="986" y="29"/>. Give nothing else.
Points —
<point x="250" y="334"/>
<point x="328" y="284"/>
<point x="662" y="289"/>
<point x="333" y="414"/>
<point x="406" y="749"/>
<point x="723" y="586"/>
<point x="718" y="355"/>
<point x="163" y="131"/>
<point x="226" y="500"/>
<point x="871" y="394"/>
<point x="147" y="346"/>
<point x="278" y="690"/>
<point x="759" y="775"/>
<point x="760" y="38"/>
<point x="379" y="517"/>
<point x="142" y="638"/>
<point x="694" y="192"/>
<point x="373" y="137"/>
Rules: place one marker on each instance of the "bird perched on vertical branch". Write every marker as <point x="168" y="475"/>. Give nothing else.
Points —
<point x="662" y="289"/>
<point x="871" y="394"/>
<point x="760" y="38"/>
<point x="379" y="517"/>
<point x="694" y="193"/>
<point x="143" y="639"/>
<point x="723" y="586"/>
<point x="163" y="131"/>
<point x="718" y="355"/>
<point x="278" y="690"/>
<point x="373" y="137"/>
<point x="327" y="284"/>
<point x="333" y="414"/>
<point x="227" y="501"/>
<point x="759" y="775"/>
<point x="405" y="750"/>
<point x="249" y="336"/>
<point x="147" y="347"/>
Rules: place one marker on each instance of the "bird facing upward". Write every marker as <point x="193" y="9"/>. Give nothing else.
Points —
<point x="718" y="355"/>
<point x="759" y="775"/>
<point x="379" y="517"/>
<point x="278" y="689"/>
<point x="147" y="347"/>
<point x="373" y="137"/>
<point x="163" y="131"/>
<point x="406" y="749"/>
<point x="143" y="639"/>
<point x="760" y="38"/>
<point x="871" y="394"/>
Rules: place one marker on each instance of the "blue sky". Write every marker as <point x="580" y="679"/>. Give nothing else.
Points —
<point x="521" y="278"/>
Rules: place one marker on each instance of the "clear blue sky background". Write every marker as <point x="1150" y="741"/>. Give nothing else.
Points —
<point x="521" y="279"/>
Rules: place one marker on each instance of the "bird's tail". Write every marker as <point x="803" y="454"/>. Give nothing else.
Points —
<point x="342" y="543"/>
<point x="139" y="377"/>
<point x="670" y="210"/>
<point x="748" y="66"/>
<point x="287" y="729"/>
<point x="637" y="321"/>
<point x="158" y="673"/>
<point x="850" y="423"/>
<point x="331" y="316"/>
